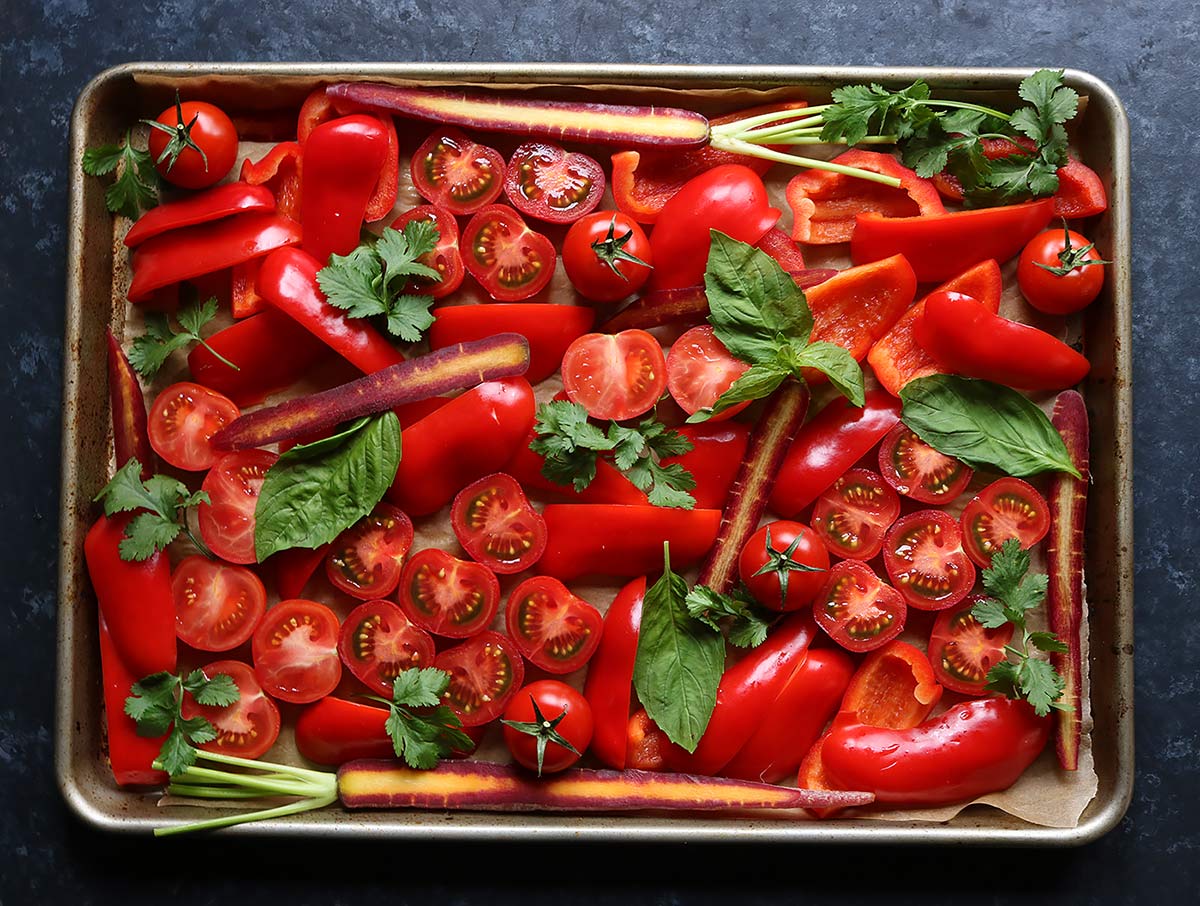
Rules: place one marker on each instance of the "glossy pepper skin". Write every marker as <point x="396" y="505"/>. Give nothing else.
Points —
<point x="279" y="171"/>
<point x="974" y="748"/>
<point x="333" y="731"/>
<point x="342" y="160"/>
<point x="129" y="755"/>
<point x="745" y="696"/>
<point x="131" y="437"/>
<point x="609" y="684"/>
<point x="857" y="306"/>
<point x="200" y="207"/>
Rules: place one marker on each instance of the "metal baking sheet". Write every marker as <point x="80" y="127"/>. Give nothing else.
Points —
<point x="120" y="95"/>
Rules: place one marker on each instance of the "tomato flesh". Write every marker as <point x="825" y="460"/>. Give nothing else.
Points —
<point x="485" y="673"/>
<point x="556" y="630"/>
<point x="509" y="260"/>
<point x="700" y="369"/>
<point x="925" y="560"/>
<point x="615" y="376"/>
<point x="183" y="419"/>
<point x="248" y="727"/>
<point x="227" y="521"/>
<point x="916" y="470"/>
<point x="445" y="258"/>
<point x="852" y="516"/>
<point x="295" y="651"/>
<point x="962" y="650"/>
<point x="495" y="524"/>
<point x="857" y="609"/>
<point x="457" y="173"/>
<point x="1006" y="508"/>
<point x="377" y="642"/>
<point x="447" y="596"/>
<point x="217" y="605"/>
<point x="366" y="560"/>
<point x="544" y="181"/>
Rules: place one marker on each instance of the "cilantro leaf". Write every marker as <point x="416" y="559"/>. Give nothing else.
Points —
<point x="177" y="753"/>
<point x="1039" y="684"/>
<point x="351" y="286"/>
<point x="750" y="622"/>
<point x="423" y="739"/>
<point x="1049" y="642"/>
<point x="218" y="692"/>
<point x="164" y="497"/>
<point x="136" y="187"/>
<point x="151" y="350"/>
<point x="420" y="688"/>
<point x="409" y="317"/>
<point x="399" y="251"/>
<point x="990" y="613"/>
<point x="155" y="704"/>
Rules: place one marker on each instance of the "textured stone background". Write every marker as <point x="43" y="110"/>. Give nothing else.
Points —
<point x="1146" y="51"/>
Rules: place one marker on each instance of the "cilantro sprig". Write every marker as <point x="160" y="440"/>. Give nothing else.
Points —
<point x="1013" y="593"/>
<point x="748" y="622"/>
<point x="151" y="350"/>
<point x="156" y="706"/>
<point x="573" y="446"/>
<point x="423" y="737"/>
<point x="371" y="281"/>
<point x="136" y="187"/>
<point x="165" y="501"/>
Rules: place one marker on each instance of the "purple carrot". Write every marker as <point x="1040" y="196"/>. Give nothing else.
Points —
<point x="131" y="438"/>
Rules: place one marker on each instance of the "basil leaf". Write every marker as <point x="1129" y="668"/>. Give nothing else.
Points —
<point x="679" y="662"/>
<point x="758" y="382"/>
<point x="308" y="451"/>
<point x="312" y="494"/>
<point x="836" y="363"/>
<point x="986" y="425"/>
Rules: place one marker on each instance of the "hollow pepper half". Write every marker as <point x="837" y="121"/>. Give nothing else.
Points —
<point x="342" y="162"/>
<point x="201" y="207"/>
<point x="278" y="170"/>
<point x="609" y="684"/>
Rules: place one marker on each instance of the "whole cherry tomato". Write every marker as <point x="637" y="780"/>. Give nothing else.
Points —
<point x="1060" y="272"/>
<point x="547" y="726"/>
<point x="193" y="144"/>
<point x="607" y="256"/>
<point x="784" y="564"/>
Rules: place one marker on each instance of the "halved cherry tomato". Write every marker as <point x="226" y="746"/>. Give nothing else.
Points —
<point x="598" y="256"/>
<point x="183" y="418"/>
<point x="447" y="596"/>
<point x="920" y="472"/>
<point x="700" y="369"/>
<point x="784" y="564"/>
<point x="544" y="181"/>
<point x="548" y="706"/>
<point x="1006" y="508"/>
<point x="554" y="628"/>
<point x="485" y="673"/>
<point x="857" y="609"/>
<point x="924" y="558"/>
<point x="457" y="173"/>
<point x="509" y="260"/>
<point x="615" y="376"/>
<point x="295" y="651"/>
<point x="366" y="559"/>
<point x="497" y="527"/>
<point x="962" y="651"/>
<point x="377" y="642"/>
<point x="1050" y="292"/>
<point x="248" y="727"/>
<point x="445" y="257"/>
<point x="852" y="517"/>
<point x="210" y="149"/>
<point x="227" y="522"/>
<point x="217" y="605"/>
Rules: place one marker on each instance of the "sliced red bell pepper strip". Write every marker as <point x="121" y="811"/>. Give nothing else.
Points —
<point x="271" y="350"/>
<point x="898" y="358"/>
<point x="244" y="299"/>
<point x="837" y="437"/>
<point x="201" y="207"/>
<point x="204" y="249"/>
<point x="294" y="567"/>
<point x="316" y="109"/>
<point x="860" y="304"/>
<point x="333" y="731"/>
<point x="279" y="170"/>
<point x="718" y="449"/>
<point x="288" y="280"/>
<point x="942" y="245"/>
<point x="609" y="684"/>
<point x="275" y="125"/>
<point x="131" y="436"/>
<point x="824" y="204"/>
<point x="129" y="755"/>
<point x="342" y="162"/>
<point x="776" y="243"/>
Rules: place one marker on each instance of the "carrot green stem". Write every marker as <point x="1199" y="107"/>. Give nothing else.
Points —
<point x="740" y="147"/>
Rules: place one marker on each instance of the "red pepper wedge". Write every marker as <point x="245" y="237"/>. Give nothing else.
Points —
<point x="609" y="684"/>
<point x="974" y="748"/>
<point x="131" y="436"/>
<point x="776" y="243"/>
<point x="200" y="207"/>
<point x="942" y="245"/>
<point x="859" y="305"/>
<point x="288" y="280"/>
<point x="333" y="731"/>
<point x="278" y="170"/>
<point x="964" y="337"/>
<point x="824" y="204"/>
<point x="342" y="162"/>
<point x="838" y="437"/>
<point x="898" y="358"/>
<point x="316" y="109"/>
<point x="130" y="755"/>
<point x="244" y="299"/>
<point x="745" y="695"/>
<point x="206" y="248"/>
<point x="294" y="567"/>
<point x="718" y="449"/>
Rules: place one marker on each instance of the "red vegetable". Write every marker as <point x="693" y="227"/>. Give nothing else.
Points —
<point x="365" y="560"/>
<point x="645" y="743"/>
<point x="333" y="731"/>
<point x="207" y="150"/>
<point x="555" y="629"/>
<point x="700" y="369"/>
<point x="716" y="455"/>
<point x="131" y="438"/>
<point x="129" y="755"/>
<point x="494" y="522"/>
<point x="377" y="642"/>
<point x="609" y="683"/>
<point x="779" y="245"/>
<point x="532" y="708"/>
<point x="217" y="605"/>
<point x="915" y="469"/>
<point x="545" y="182"/>
<point x="445" y="258"/>
<point x="962" y="651"/>
<point x="597" y="253"/>
<point x="447" y="596"/>
<point x="1066" y="293"/>
<point x="343" y="159"/>
<point x="456" y="173"/>
<point x="294" y="567"/>
<point x="857" y="610"/>
<point x="925" y="560"/>
<point x="784" y="565"/>
<point x="295" y="651"/>
<point x="852" y="516"/>
<point x="248" y="727"/>
<point x="1006" y="508"/>
<point x="387" y="186"/>
<point x="244" y="299"/>
<point x="184" y="418"/>
<point x="859" y="305"/>
<point x="279" y="171"/>
<point x="202" y="207"/>
<point x="233" y="485"/>
<point x="510" y="261"/>
<point x="617" y="377"/>
<point x="485" y="673"/>
<point x="550" y="329"/>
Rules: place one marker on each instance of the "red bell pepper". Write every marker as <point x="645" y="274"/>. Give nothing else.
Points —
<point x="776" y="243"/>
<point x="200" y="207"/>
<point x="898" y="358"/>
<point x="316" y="109"/>
<point x="942" y="245"/>
<point x="271" y="350"/>
<point x="609" y="684"/>
<point x="615" y="540"/>
<point x="745" y="696"/>
<point x="288" y="280"/>
<point x="342" y="162"/>
<point x="964" y="337"/>
<point x="859" y="305"/>
<point x="129" y="755"/>
<point x="244" y="299"/>
<point x="131" y="437"/>
<point x="273" y="125"/>
<point x="134" y="597"/>
<point x="718" y="449"/>
<point x="974" y="748"/>
<point x="333" y="731"/>
<point x="294" y="567"/>
<point x="206" y="248"/>
<point x="824" y="204"/>
<point x="279" y="170"/>
<point x="795" y="719"/>
<point x="838" y="437"/>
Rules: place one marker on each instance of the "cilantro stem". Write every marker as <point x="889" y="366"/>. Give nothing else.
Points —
<point x="773" y="116"/>
<point x="220" y="357"/>
<point x="200" y="545"/>
<point x="966" y="105"/>
<point x="750" y="150"/>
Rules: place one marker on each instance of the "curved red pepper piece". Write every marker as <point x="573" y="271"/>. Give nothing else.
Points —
<point x="342" y="162"/>
<point x="279" y="171"/>
<point x="857" y="306"/>
<point x="334" y="731"/>
<point x="201" y="207"/>
<point x="131" y="437"/>
<point x="824" y="204"/>
<point x="129" y="754"/>
<point x="718" y="449"/>
<point x="244" y="299"/>
<point x="294" y="567"/>
<point x="609" y="684"/>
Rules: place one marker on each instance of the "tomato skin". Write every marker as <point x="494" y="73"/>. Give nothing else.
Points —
<point x="473" y="435"/>
<point x="1074" y="290"/>
<point x="306" y="668"/>
<point x="182" y="420"/>
<point x="233" y="484"/>
<point x="619" y="540"/>
<point x="365" y="560"/>
<point x="333" y="731"/>
<point x="496" y="526"/>
<point x="645" y="744"/>
<point x="918" y="471"/>
<point x="853" y="515"/>
<point x="485" y="673"/>
<point x="506" y="257"/>
<point x="570" y="621"/>
<point x="213" y="132"/>
<point x="730" y="198"/>
<point x="717" y="453"/>
<point x="473" y="587"/>
<point x="591" y="276"/>
<point x="974" y="748"/>
<point x="803" y="585"/>
<point x="445" y="258"/>
<point x="545" y="182"/>
<point x="248" y="727"/>
<point x="1006" y="508"/>
<point x="553" y="699"/>
<point x="615" y="376"/>
<point x="909" y="544"/>
<point x="217" y="605"/>
<point x="609" y="683"/>
<point x="379" y="628"/>
<point x="700" y="369"/>
<point x="962" y="651"/>
<point x="454" y="172"/>
<point x="857" y="609"/>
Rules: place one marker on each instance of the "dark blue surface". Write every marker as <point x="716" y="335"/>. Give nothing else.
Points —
<point x="1146" y="51"/>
